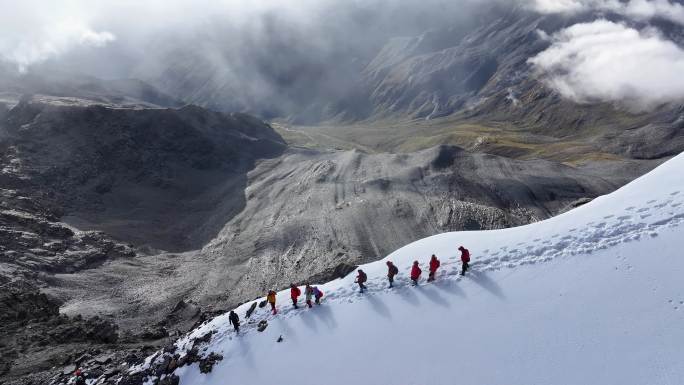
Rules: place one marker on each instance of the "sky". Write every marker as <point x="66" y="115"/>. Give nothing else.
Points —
<point x="630" y="61"/>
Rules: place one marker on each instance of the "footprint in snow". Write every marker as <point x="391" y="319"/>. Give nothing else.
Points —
<point x="674" y="193"/>
<point x="608" y="216"/>
<point x="630" y="208"/>
<point x="641" y="210"/>
<point x="624" y="217"/>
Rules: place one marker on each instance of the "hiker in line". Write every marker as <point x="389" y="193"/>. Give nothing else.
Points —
<point x="415" y="273"/>
<point x="308" y="292"/>
<point x="317" y="295"/>
<point x="434" y="265"/>
<point x="79" y="378"/>
<point x="294" y="294"/>
<point x="361" y="279"/>
<point x="391" y="272"/>
<point x="465" y="259"/>
<point x="271" y="298"/>
<point x="235" y="320"/>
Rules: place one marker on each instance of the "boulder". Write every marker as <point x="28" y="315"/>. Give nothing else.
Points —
<point x="69" y="369"/>
<point x="206" y="364"/>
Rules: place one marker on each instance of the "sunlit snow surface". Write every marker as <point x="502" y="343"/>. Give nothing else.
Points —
<point x="593" y="296"/>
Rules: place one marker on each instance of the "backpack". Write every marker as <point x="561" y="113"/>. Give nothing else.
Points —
<point x="394" y="270"/>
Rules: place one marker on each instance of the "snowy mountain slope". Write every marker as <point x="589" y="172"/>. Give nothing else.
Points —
<point x="607" y="307"/>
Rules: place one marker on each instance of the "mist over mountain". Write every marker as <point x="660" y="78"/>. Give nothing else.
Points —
<point x="358" y="60"/>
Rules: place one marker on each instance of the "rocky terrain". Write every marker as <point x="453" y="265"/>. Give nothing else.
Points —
<point x="134" y="172"/>
<point x="123" y="226"/>
<point x="68" y="161"/>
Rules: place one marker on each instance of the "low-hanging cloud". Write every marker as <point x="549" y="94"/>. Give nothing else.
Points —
<point x="608" y="61"/>
<point x="33" y="33"/>
<point x="634" y="9"/>
<point x="272" y="57"/>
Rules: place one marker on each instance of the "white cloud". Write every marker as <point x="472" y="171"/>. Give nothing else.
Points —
<point x="33" y="32"/>
<point x="608" y="61"/>
<point x="635" y="9"/>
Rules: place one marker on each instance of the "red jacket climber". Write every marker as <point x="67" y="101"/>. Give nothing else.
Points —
<point x="360" y="279"/>
<point x="294" y="294"/>
<point x="415" y="272"/>
<point x="434" y="265"/>
<point x="465" y="259"/>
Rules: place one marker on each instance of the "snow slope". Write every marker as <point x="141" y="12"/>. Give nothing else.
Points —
<point x="593" y="296"/>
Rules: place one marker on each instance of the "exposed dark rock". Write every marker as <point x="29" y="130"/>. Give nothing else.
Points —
<point x="205" y="338"/>
<point x="69" y="370"/>
<point x="575" y="204"/>
<point x="146" y="160"/>
<point x="339" y="271"/>
<point x="206" y="364"/>
<point x="263" y="324"/>
<point x="132" y="379"/>
<point x="250" y="310"/>
<point x="170" y="380"/>
<point x="153" y="333"/>
<point x="104" y="359"/>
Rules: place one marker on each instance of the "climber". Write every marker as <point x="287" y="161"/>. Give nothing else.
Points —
<point x="434" y="265"/>
<point x="235" y="320"/>
<point x="465" y="259"/>
<point x="294" y="294"/>
<point x="79" y="378"/>
<point x="317" y="295"/>
<point x="308" y="292"/>
<point x="415" y="273"/>
<point x="361" y="279"/>
<point x="271" y="298"/>
<point x="391" y="272"/>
